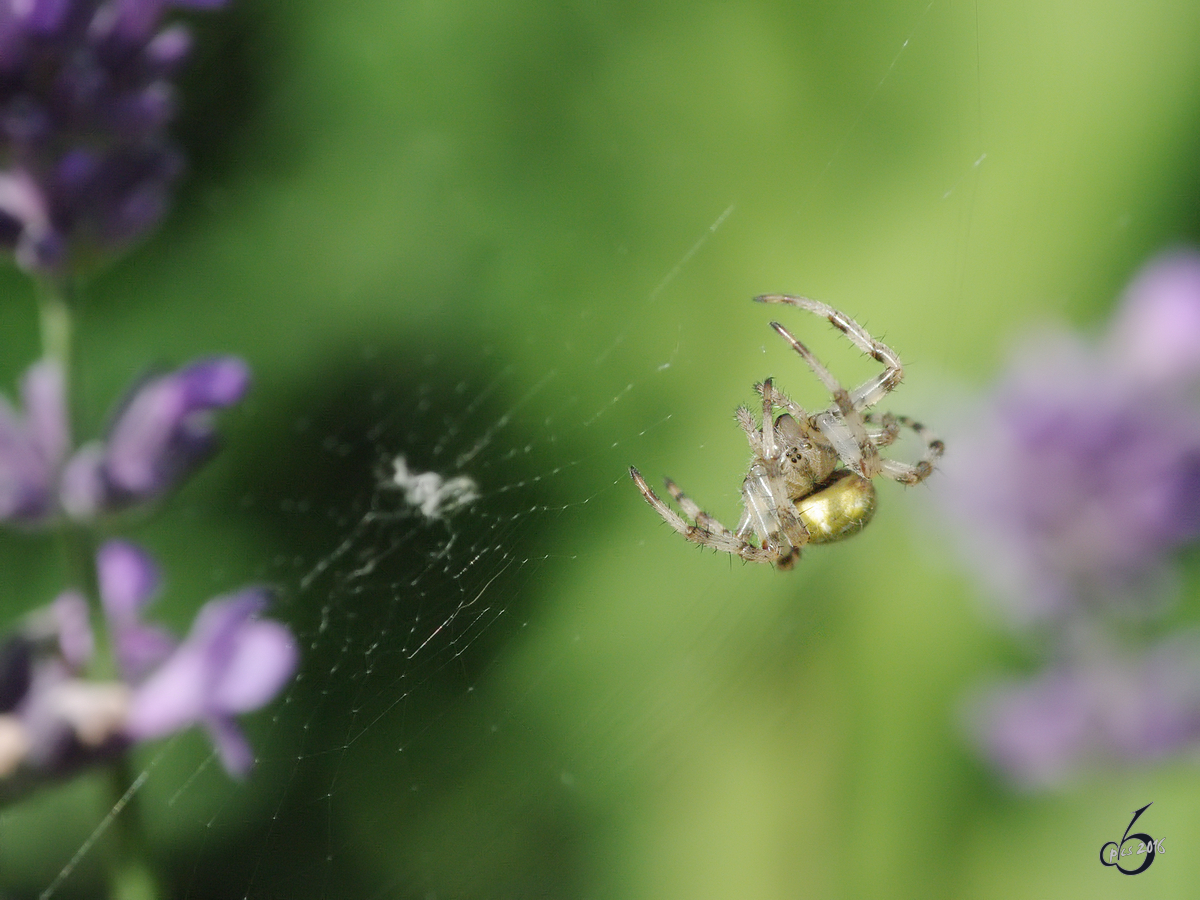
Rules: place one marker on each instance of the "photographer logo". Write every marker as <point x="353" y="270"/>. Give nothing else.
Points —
<point x="1123" y="854"/>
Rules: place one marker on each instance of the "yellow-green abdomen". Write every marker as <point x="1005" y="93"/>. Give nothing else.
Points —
<point x="838" y="510"/>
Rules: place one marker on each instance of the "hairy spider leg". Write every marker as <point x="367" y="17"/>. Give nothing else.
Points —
<point x="873" y="390"/>
<point x="741" y="547"/>
<point x="745" y="421"/>
<point x="769" y="449"/>
<point x="889" y="428"/>
<point x="707" y="531"/>
<point x="844" y="428"/>
<point x="765" y="484"/>
<point x="889" y="431"/>
<point x="914" y="473"/>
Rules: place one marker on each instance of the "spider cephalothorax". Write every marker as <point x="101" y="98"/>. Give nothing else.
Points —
<point x="809" y="481"/>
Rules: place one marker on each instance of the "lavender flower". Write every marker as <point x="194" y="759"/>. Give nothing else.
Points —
<point x="1110" y="709"/>
<point x="162" y="433"/>
<point x="1071" y="490"/>
<point x="53" y="720"/>
<point x="1082" y="473"/>
<point x="84" y="101"/>
<point x="232" y="662"/>
<point x="32" y="445"/>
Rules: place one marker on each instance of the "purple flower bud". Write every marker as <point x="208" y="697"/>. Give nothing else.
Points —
<point x="165" y="430"/>
<point x="73" y="630"/>
<point x="45" y="399"/>
<point x="169" y="48"/>
<point x="161" y="435"/>
<point x="52" y="721"/>
<point x="85" y="77"/>
<point x="32" y="445"/>
<point x="25" y="222"/>
<point x="128" y="581"/>
<point x="232" y="662"/>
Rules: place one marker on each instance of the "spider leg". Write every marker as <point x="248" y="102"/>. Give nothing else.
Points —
<point x="767" y="473"/>
<point x="768" y="419"/>
<point x="718" y="536"/>
<point x="746" y="422"/>
<point x="762" y="439"/>
<point x="872" y="391"/>
<point x="844" y="427"/>
<point x="889" y="429"/>
<point x="770" y="513"/>
<point x="781" y="399"/>
<point x="693" y="511"/>
<point x="707" y="531"/>
<point x="913" y="473"/>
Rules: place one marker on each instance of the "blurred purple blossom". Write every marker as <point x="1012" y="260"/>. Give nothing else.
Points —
<point x="84" y="100"/>
<point x="1079" y="473"/>
<point x="231" y="662"/>
<point x="1156" y="330"/>
<point x="1072" y="484"/>
<point x="161" y="434"/>
<point x="52" y="719"/>
<point x="129" y="581"/>
<point x="1108" y="710"/>
<point x="33" y="443"/>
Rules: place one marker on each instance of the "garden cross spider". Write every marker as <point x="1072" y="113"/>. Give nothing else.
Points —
<point x="810" y="477"/>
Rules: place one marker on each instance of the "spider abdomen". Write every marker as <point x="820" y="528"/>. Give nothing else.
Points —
<point x="841" y="508"/>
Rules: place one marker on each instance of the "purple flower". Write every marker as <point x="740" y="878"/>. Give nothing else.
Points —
<point x="1155" y="331"/>
<point x="1080" y="471"/>
<point x="32" y="445"/>
<point x="129" y="581"/>
<point x="1043" y="731"/>
<point x="53" y="720"/>
<point x="1071" y="486"/>
<point x="231" y="662"/>
<point x="84" y="100"/>
<point x="162" y="433"/>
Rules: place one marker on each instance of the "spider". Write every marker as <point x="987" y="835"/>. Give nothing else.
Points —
<point x="809" y="480"/>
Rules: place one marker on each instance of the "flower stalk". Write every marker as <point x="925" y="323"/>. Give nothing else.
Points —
<point x="85" y="171"/>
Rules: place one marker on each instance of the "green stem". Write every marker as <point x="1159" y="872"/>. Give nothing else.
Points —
<point x="54" y="307"/>
<point x="130" y="876"/>
<point x="57" y="302"/>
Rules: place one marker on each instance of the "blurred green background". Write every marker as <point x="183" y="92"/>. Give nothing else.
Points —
<point x="519" y="240"/>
